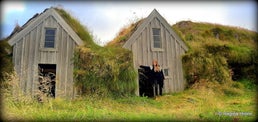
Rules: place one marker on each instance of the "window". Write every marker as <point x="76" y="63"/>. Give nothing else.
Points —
<point x="156" y="38"/>
<point x="165" y="71"/>
<point x="50" y="37"/>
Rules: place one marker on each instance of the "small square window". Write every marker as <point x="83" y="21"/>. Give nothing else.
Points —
<point x="50" y="37"/>
<point x="165" y="72"/>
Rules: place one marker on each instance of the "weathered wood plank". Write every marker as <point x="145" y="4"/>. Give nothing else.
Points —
<point x="144" y="48"/>
<point x="139" y="53"/>
<point x="62" y="64"/>
<point x="30" y="61"/>
<point x="134" y="49"/>
<point x="149" y="44"/>
<point x="66" y="52"/>
<point x="167" y="59"/>
<point x="36" y="62"/>
<point x="171" y="62"/>
<point x="174" y="65"/>
<point x="19" y="50"/>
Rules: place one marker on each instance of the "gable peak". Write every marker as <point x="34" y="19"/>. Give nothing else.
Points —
<point x="154" y="11"/>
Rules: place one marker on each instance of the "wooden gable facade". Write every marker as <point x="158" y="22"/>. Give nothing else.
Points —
<point x="155" y="39"/>
<point x="47" y="41"/>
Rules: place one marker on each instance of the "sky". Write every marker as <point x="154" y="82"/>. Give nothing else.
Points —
<point x="105" y="19"/>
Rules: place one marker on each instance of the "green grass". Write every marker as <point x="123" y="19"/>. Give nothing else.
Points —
<point x="100" y="70"/>
<point x="216" y="50"/>
<point x="6" y="65"/>
<point x="206" y="102"/>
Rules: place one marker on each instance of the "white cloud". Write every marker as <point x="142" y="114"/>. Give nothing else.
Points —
<point x="13" y="6"/>
<point x="12" y="10"/>
<point x="112" y="17"/>
<point x="105" y="19"/>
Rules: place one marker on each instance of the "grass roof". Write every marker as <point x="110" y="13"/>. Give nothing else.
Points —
<point x="125" y="33"/>
<point x="78" y="28"/>
<point x="102" y="71"/>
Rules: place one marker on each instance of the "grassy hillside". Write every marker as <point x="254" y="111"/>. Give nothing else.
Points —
<point x="218" y="53"/>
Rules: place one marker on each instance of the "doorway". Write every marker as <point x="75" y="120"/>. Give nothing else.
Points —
<point x="47" y="79"/>
<point x="145" y="81"/>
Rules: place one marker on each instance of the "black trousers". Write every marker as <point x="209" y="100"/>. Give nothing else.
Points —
<point x="160" y="89"/>
<point x="155" y="88"/>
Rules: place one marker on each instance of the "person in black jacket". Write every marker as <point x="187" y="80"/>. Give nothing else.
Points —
<point x="158" y="78"/>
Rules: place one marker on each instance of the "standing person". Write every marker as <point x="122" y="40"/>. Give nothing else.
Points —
<point x="158" y="78"/>
<point x="154" y="77"/>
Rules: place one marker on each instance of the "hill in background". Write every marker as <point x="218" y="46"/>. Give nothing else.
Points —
<point x="218" y="53"/>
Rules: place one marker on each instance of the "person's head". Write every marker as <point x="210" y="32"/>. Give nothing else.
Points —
<point x="155" y="62"/>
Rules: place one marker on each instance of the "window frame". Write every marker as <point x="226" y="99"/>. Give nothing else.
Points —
<point x="164" y="72"/>
<point x="160" y="48"/>
<point x="45" y="36"/>
<point x="156" y="40"/>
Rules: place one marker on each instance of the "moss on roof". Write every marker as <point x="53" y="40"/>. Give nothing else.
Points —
<point x="78" y="28"/>
<point x="102" y="71"/>
<point x="125" y="34"/>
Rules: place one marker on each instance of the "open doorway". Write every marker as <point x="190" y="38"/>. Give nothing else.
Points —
<point x="145" y="82"/>
<point x="47" y="79"/>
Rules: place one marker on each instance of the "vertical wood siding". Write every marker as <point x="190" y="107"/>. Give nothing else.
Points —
<point x="29" y="51"/>
<point x="169" y="57"/>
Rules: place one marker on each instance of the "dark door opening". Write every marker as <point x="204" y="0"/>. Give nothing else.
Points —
<point x="47" y="79"/>
<point x="145" y="81"/>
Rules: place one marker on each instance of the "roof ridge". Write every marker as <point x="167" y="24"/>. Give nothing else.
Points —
<point x="154" y="14"/>
<point x="17" y="30"/>
<point x="36" y="20"/>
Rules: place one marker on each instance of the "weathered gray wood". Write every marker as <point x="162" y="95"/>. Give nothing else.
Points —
<point x="169" y="56"/>
<point x="30" y="61"/>
<point x="29" y="52"/>
<point x="66" y="55"/>
<point x="35" y="65"/>
<point x="153" y="14"/>
<point x="35" y="22"/>
<point x="175" y="66"/>
<point x="148" y="44"/>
